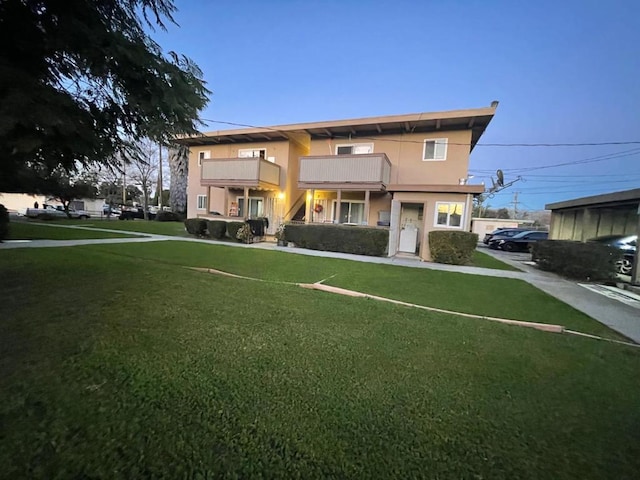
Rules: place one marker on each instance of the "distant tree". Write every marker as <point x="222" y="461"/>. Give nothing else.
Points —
<point x="479" y="209"/>
<point x="65" y="188"/>
<point x="143" y="169"/>
<point x="165" y="198"/>
<point x="82" y="80"/>
<point x="502" y="213"/>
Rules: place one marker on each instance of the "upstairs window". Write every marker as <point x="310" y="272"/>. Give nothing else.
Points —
<point x="354" y="149"/>
<point x="203" y="155"/>
<point x="252" y="153"/>
<point x="435" y="149"/>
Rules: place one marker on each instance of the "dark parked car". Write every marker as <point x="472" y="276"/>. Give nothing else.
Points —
<point x="503" y="232"/>
<point x="519" y="242"/>
<point x="628" y="244"/>
<point x="129" y="213"/>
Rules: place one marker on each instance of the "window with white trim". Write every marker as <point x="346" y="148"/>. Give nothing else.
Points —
<point x="449" y="214"/>
<point x="203" y="155"/>
<point x="252" y="153"/>
<point x="351" y="211"/>
<point x="354" y="149"/>
<point x="202" y="202"/>
<point x="434" y="149"/>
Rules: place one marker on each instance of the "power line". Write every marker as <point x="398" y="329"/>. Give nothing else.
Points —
<point x="586" y="144"/>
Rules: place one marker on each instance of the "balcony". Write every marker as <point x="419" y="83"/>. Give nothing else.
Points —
<point x="369" y="171"/>
<point x="240" y="173"/>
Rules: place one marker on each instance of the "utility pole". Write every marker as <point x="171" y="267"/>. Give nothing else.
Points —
<point x="515" y="204"/>
<point x="124" y="183"/>
<point x="160" y="177"/>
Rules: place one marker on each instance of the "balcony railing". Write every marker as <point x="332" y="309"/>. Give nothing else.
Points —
<point x="356" y="172"/>
<point x="240" y="172"/>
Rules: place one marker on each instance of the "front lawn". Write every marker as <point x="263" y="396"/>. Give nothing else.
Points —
<point x="483" y="260"/>
<point x="22" y="230"/>
<point x="174" y="229"/>
<point x="118" y="363"/>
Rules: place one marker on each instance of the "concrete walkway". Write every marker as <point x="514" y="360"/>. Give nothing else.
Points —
<point x="624" y="317"/>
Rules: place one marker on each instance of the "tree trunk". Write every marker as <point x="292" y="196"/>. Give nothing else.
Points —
<point x="179" y="167"/>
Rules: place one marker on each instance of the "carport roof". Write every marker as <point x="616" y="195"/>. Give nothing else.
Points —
<point x="626" y="197"/>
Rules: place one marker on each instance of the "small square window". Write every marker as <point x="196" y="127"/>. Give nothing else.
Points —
<point x="449" y="214"/>
<point x="202" y="202"/>
<point x="435" y="149"/>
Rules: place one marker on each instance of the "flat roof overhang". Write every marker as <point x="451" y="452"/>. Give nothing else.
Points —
<point x="474" y="189"/>
<point x="607" y="200"/>
<point x="476" y="120"/>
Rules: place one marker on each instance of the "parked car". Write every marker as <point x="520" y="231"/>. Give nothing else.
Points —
<point x="520" y="242"/>
<point x="504" y="232"/>
<point x="130" y="213"/>
<point x="627" y="244"/>
<point x="111" y="209"/>
<point x="56" y="211"/>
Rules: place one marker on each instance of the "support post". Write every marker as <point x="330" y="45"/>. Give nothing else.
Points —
<point x="338" y="206"/>
<point x="225" y="204"/>
<point x="246" y="203"/>
<point x="367" y="205"/>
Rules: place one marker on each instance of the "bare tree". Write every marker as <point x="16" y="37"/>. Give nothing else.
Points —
<point x="143" y="169"/>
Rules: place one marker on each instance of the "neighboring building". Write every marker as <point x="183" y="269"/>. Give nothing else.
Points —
<point x="482" y="226"/>
<point x="596" y="216"/>
<point x="19" y="202"/>
<point x="407" y="173"/>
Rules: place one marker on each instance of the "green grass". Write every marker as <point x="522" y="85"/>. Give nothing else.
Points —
<point x="34" y="231"/>
<point x="175" y="229"/>
<point x="483" y="260"/>
<point x="115" y="366"/>
<point x="490" y="296"/>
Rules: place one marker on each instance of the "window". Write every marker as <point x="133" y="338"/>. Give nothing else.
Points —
<point x="354" y="149"/>
<point x="252" y="153"/>
<point x="256" y="207"/>
<point x="350" y="212"/>
<point x="202" y="202"/>
<point x="203" y="155"/>
<point x="449" y="214"/>
<point x="435" y="149"/>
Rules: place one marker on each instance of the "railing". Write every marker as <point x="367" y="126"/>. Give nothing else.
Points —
<point x="240" y="172"/>
<point x="367" y="170"/>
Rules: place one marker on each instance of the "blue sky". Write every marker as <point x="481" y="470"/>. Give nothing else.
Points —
<point x="564" y="72"/>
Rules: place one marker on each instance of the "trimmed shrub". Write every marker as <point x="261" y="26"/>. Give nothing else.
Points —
<point x="164" y="216"/>
<point x="217" y="228"/>
<point x="577" y="260"/>
<point x="232" y="230"/>
<point x="339" y="238"/>
<point x="4" y="222"/>
<point x="454" y="248"/>
<point x="196" y="226"/>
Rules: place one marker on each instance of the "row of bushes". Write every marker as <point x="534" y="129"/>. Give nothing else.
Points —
<point x="217" y="229"/>
<point x="339" y="238"/>
<point x="577" y="260"/>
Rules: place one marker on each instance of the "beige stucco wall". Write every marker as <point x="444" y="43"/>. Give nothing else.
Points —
<point x="19" y="202"/>
<point x="405" y="154"/>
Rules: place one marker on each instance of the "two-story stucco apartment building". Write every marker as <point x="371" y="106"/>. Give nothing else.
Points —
<point x="407" y="173"/>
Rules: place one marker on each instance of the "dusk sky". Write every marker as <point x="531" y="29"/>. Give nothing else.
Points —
<point x="563" y="71"/>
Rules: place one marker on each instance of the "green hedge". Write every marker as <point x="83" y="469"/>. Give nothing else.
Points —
<point x="196" y="226"/>
<point x="217" y="228"/>
<point x="164" y="216"/>
<point x="232" y="230"/>
<point x="4" y="223"/>
<point x="339" y="238"/>
<point x="455" y="248"/>
<point x="576" y="260"/>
